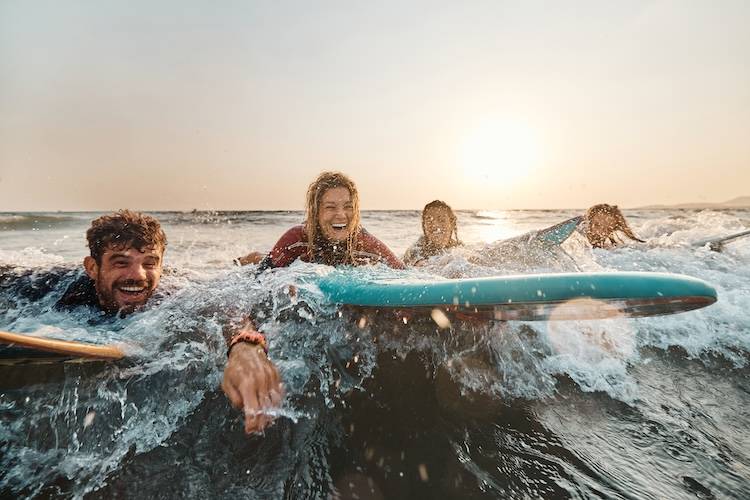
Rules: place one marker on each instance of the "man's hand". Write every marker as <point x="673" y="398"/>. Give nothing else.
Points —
<point x="252" y="383"/>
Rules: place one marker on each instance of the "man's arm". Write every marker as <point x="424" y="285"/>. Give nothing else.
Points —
<point x="251" y="380"/>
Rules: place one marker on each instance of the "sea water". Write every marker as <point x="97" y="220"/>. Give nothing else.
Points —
<point x="380" y="407"/>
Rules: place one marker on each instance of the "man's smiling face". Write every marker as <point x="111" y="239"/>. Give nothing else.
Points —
<point x="126" y="276"/>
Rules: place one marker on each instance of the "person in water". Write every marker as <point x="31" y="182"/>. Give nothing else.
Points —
<point x="440" y="233"/>
<point x="601" y="225"/>
<point x="124" y="265"/>
<point x="332" y="234"/>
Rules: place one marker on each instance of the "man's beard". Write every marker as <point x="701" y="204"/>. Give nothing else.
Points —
<point x="107" y="297"/>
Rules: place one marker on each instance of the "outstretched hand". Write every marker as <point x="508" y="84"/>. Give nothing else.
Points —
<point x="252" y="383"/>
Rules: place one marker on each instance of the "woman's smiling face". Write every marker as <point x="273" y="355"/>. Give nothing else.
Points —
<point x="335" y="214"/>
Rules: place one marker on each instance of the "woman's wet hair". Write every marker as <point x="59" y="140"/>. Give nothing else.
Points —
<point x="441" y="205"/>
<point x="619" y="224"/>
<point x="124" y="229"/>
<point x="315" y="192"/>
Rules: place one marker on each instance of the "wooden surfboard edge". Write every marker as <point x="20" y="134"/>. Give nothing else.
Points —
<point x="63" y="347"/>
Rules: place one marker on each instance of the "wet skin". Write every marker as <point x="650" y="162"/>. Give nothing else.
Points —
<point x="253" y="384"/>
<point x="437" y="227"/>
<point x="126" y="277"/>
<point x="335" y="214"/>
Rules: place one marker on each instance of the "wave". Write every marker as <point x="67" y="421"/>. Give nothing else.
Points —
<point x="218" y="218"/>
<point x="19" y="222"/>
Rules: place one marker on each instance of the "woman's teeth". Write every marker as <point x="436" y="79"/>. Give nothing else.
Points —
<point x="338" y="226"/>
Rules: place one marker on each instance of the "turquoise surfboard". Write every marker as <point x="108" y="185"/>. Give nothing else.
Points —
<point x="550" y="236"/>
<point x="526" y="297"/>
<point x="557" y="234"/>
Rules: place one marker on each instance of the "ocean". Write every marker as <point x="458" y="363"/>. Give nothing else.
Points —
<point x="619" y="408"/>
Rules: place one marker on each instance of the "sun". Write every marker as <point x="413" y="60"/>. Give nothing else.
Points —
<point x="499" y="151"/>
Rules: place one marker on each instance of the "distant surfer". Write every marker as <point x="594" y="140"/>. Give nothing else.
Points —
<point x="332" y="234"/>
<point x="439" y="233"/>
<point x="602" y="225"/>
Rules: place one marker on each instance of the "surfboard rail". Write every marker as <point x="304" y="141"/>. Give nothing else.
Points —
<point x="529" y="297"/>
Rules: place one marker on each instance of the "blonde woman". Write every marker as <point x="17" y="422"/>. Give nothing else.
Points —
<point x="332" y="232"/>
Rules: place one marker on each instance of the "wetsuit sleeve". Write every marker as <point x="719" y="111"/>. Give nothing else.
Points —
<point x="81" y="292"/>
<point x="32" y="285"/>
<point x="373" y="245"/>
<point x="289" y="248"/>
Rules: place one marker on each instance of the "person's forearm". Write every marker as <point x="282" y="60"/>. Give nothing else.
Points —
<point x="246" y="333"/>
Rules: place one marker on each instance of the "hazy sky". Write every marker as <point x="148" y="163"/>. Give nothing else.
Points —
<point x="239" y="105"/>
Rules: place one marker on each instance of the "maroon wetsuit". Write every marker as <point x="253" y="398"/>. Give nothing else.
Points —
<point x="293" y="245"/>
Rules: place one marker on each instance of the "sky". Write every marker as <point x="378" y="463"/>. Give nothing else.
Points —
<point x="176" y="105"/>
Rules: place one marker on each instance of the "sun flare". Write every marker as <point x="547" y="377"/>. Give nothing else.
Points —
<point x="499" y="151"/>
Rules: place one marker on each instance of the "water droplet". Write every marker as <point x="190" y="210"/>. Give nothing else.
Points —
<point x="89" y="419"/>
<point x="440" y="318"/>
<point x="423" y="473"/>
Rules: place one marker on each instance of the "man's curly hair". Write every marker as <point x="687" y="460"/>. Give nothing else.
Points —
<point x="123" y="229"/>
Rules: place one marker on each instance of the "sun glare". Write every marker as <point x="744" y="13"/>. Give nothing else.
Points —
<point x="499" y="151"/>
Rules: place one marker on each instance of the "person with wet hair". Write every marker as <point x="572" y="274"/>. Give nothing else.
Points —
<point x="439" y="233"/>
<point x="124" y="264"/>
<point x="119" y="276"/>
<point x="332" y="234"/>
<point x="602" y="223"/>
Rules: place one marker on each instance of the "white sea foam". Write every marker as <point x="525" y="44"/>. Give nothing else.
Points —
<point x="29" y="257"/>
